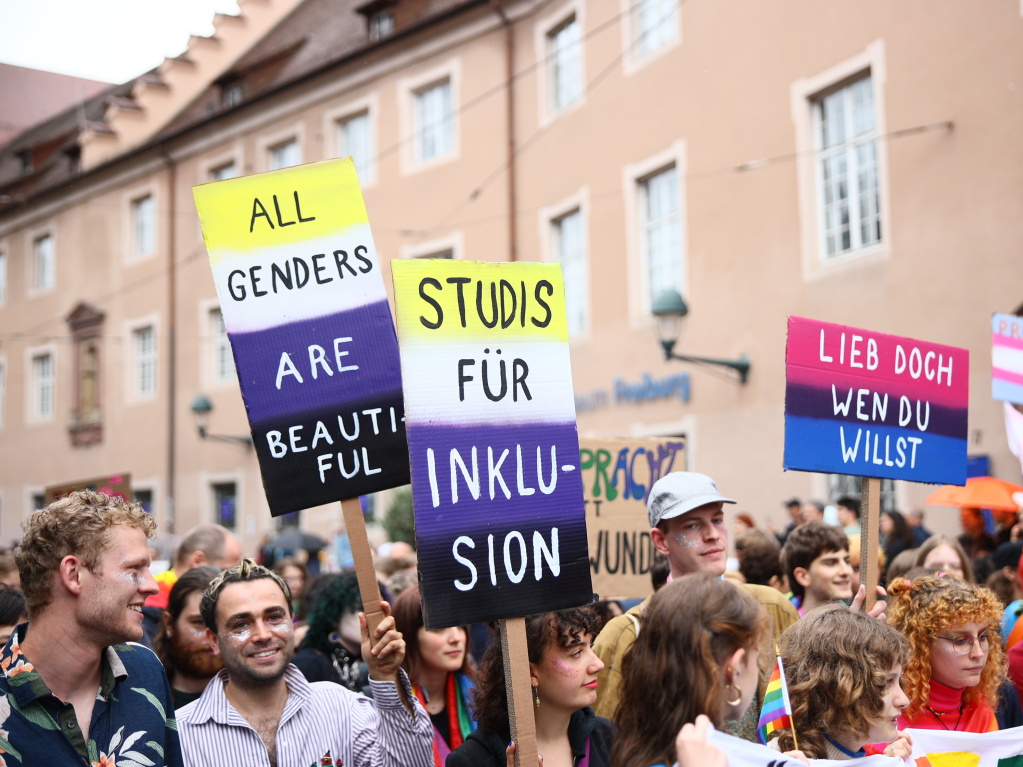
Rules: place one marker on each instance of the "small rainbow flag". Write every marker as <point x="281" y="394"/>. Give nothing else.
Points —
<point x="776" y="713"/>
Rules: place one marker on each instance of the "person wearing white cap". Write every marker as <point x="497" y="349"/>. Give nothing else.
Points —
<point x="687" y="524"/>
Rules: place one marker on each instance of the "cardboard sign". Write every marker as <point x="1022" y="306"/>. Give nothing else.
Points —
<point x="617" y="477"/>
<point x="496" y="485"/>
<point x="116" y="485"/>
<point x="939" y="748"/>
<point x="304" y="306"/>
<point x="1007" y="358"/>
<point x="743" y="753"/>
<point x="874" y="405"/>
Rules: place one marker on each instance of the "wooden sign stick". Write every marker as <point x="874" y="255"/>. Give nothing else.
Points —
<point x="355" y="524"/>
<point x="870" y="526"/>
<point x="519" y="691"/>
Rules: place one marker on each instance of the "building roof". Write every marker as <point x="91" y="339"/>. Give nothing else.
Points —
<point x="30" y="96"/>
<point x="310" y="37"/>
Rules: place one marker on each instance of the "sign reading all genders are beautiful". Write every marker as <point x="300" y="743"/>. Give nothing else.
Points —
<point x="874" y="405"/>
<point x="496" y="484"/>
<point x="306" y="312"/>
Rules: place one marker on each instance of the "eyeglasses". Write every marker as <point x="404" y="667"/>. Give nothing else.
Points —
<point x="962" y="644"/>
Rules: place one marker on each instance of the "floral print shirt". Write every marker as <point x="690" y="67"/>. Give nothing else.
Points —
<point x="132" y="721"/>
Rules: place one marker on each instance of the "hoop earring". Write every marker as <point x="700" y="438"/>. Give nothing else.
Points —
<point x="536" y="697"/>
<point x="738" y="695"/>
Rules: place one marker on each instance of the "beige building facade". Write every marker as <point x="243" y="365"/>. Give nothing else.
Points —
<point x="854" y="162"/>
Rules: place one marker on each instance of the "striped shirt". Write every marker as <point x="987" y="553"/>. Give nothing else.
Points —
<point x="322" y="723"/>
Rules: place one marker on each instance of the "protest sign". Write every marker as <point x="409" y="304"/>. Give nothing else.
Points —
<point x="617" y="477"/>
<point x="496" y="486"/>
<point x="114" y="485"/>
<point x="742" y="753"/>
<point x="306" y="312"/>
<point x="1007" y="358"/>
<point x="938" y="748"/>
<point x="874" y="405"/>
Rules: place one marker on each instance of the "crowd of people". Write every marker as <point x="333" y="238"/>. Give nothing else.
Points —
<point x="256" y="664"/>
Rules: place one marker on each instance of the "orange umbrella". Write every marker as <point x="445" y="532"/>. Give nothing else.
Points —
<point x="979" y="493"/>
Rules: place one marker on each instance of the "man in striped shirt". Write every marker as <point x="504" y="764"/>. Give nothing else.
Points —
<point x="260" y="710"/>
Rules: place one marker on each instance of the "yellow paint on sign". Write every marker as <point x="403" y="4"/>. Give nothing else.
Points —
<point x="442" y="300"/>
<point x="950" y="759"/>
<point x="282" y="207"/>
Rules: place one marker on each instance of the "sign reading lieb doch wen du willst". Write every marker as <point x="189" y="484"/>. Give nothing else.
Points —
<point x="304" y="305"/>
<point x="496" y="483"/>
<point x="874" y="405"/>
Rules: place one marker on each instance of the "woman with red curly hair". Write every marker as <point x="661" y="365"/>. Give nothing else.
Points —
<point x="956" y="661"/>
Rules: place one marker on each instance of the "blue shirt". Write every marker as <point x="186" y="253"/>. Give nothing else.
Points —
<point x="132" y="720"/>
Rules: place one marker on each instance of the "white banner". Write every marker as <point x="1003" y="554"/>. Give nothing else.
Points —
<point x="931" y="748"/>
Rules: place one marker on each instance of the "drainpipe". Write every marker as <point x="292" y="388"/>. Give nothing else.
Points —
<point x="509" y="59"/>
<point x="172" y="351"/>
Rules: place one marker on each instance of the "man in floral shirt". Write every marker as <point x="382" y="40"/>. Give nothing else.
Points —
<point x="71" y="690"/>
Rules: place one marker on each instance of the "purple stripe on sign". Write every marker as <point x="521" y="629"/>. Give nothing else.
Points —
<point x="844" y="379"/>
<point x="849" y="405"/>
<point x="508" y="478"/>
<point x="318" y="363"/>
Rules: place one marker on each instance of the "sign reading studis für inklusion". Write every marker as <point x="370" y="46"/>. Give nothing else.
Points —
<point x="496" y="481"/>
<point x="874" y="405"/>
<point x="305" y="309"/>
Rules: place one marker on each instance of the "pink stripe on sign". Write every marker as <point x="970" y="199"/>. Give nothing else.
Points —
<point x="1002" y="374"/>
<point x="844" y="380"/>
<point x="900" y="364"/>
<point x="1012" y="343"/>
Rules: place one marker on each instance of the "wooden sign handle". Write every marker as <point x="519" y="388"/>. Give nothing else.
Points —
<point x="519" y="691"/>
<point x="369" y="588"/>
<point x="870" y="527"/>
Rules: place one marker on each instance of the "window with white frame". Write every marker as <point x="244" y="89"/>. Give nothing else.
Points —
<point x="567" y="242"/>
<point x="381" y="24"/>
<point x="43" y="263"/>
<point x="223" y="172"/>
<point x="660" y="218"/>
<point x="654" y="25"/>
<point x="223" y="361"/>
<point x="42" y="386"/>
<point x="564" y="56"/>
<point x="845" y="128"/>
<point x="144" y="345"/>
<point x="225" y="504"/>
<point x="434" y="121"/>
<point x="447" y="253"/>
<point x="144" y="498"/>
<point x="3" y="277"/>
<point x="840" y="485"/>
<point x="355" y="138"/>
<point x="284" y="155"/>
<point x="143" y="225"/>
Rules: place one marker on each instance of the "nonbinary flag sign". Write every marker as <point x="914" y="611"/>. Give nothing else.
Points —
<point x="305" y="308"/>
<point x="496" y="484"/>
<point x="874" y="405"/>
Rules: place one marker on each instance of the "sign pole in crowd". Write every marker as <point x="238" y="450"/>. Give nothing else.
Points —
<point x="512" y="515"/>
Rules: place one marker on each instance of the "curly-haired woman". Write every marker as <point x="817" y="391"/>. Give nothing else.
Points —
<point x="843" y="671"/>
<point x="956" y="662"/>
<point x="563" y="671"/>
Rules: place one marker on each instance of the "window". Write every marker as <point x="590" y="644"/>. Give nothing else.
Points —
<point x="144" y="498"/>
<point x="564" y="54"/>
<point x="381" y="24"/>
<point x="355" y="138"/>
<point x="3" y="277"/>
<point x="144" y="344"/>
<point x="88" y="383"/>
<point x="143" y="225"/>
<point x="225" y="504"/>
<point x="434" y="126"/>
<point x="661" y="231"/>
<point x="43" y="263"/>
<point x="567" y="241"/>
<point x="223" y="172"/>
<point x="284" y="155"/>
<point x="447" y="253"/>
<point x="42" y="386"/>
<point x="233" y="93"/>
<point x="653" y="25"/>
<point x="847" y="168"/>
<point x="223" y="360"/>
<point x="843" y="484"/>
<point x="3" y="391"/>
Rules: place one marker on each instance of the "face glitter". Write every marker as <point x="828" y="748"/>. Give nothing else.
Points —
<point x="562" y="668"/>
